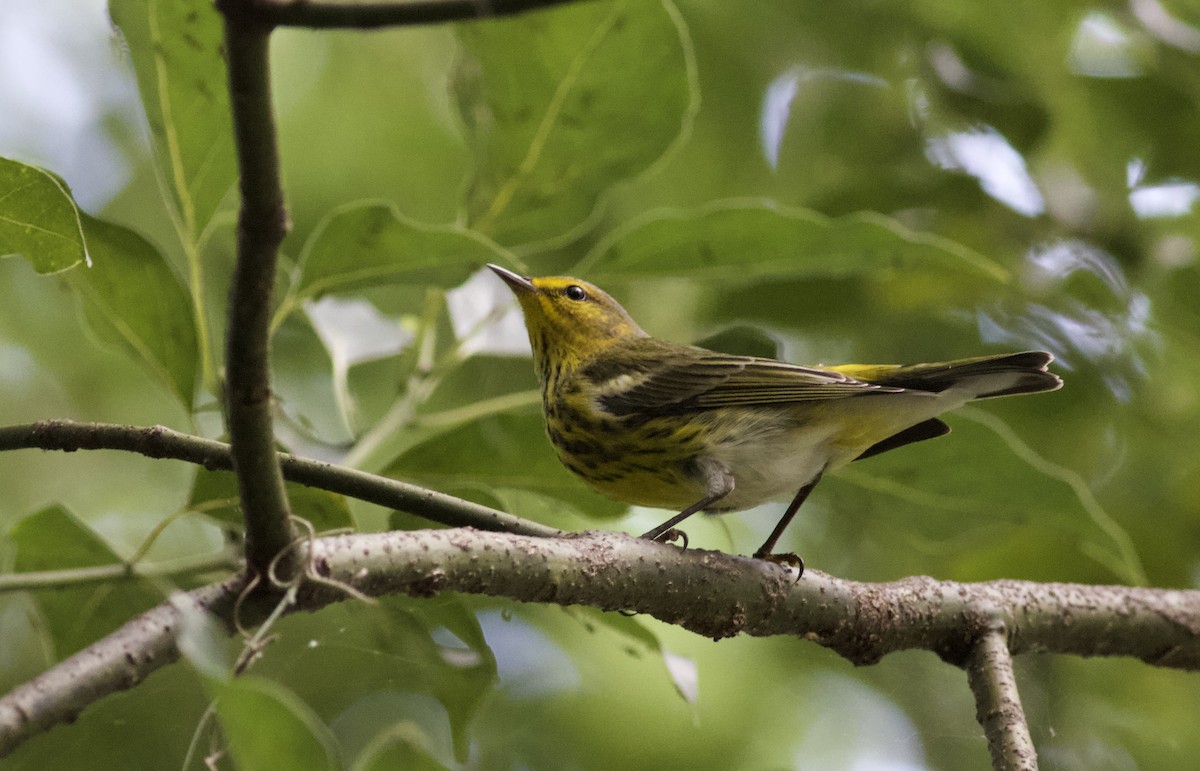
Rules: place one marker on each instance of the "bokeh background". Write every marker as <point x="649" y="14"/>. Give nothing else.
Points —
<point x="826" y="183"/>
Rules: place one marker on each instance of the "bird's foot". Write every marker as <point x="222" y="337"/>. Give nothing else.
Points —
<point x="787" y="559"/>
<point x="670" y="535"/>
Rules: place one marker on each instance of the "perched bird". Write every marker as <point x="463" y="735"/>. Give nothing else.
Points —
<point x="672" y="426"/>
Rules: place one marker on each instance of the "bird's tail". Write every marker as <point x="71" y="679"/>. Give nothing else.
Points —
<point x="983" y="377"/>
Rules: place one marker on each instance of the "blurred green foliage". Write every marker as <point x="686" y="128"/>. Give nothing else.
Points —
<point x="873" y="182"/>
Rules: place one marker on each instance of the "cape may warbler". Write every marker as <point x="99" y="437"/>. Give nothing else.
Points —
<point x="673" y="426"/>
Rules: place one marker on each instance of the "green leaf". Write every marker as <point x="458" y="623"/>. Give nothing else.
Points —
<point x="573" y="507"/>
<point x="131" y="296"/>
<point x="216" y="493"/>
<point x="743" y="340"/>
<point x="972" y="499"/>
<point x="55" y="539"/>
<point x="508" y="451"/>
<point x="305" y="382"/>
<point x="556" y="110"/>
<point x="39" y="219"/>
<point x="403" y="745"/>
<point x="146" y="727"/>
<point x="481" y="380"/>
<point x="639" y="638"/>
<point x="176" y="48"/>
<point x="203" y="640"/>
<point x="459" y="669"/>
<point x="268" y="727"/>
<point x="749" y="239"/>
<point x="358" y="658"/>
<point x="364" y="245"/>
<point x="133" y="299"/>
<point x="24" y="650"/>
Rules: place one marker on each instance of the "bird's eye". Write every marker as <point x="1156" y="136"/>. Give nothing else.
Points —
<point x="575" y="292"/>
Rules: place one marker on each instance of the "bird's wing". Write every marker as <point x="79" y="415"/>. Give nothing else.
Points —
<point x="766" y="381"/>
<point x="684" y="378"/>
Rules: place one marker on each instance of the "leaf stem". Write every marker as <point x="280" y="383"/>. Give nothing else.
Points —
<point x="72" y="577"/>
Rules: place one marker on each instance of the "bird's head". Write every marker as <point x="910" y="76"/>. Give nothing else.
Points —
<point x="568" y="320"/>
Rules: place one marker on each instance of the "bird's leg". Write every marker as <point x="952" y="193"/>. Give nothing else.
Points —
<point x="666" y="529"/>
<point x="718" y="483"/>
<point x="764" y="551"/>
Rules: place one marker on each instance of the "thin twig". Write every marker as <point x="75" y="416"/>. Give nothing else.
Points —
<point x="71" y="577"/>
<point x="324" y="15"/>
<point x="162" y="442"/>
<point x="256" y="643"/>
<point x="998" y="704"/>
<point x="262" y="225"/>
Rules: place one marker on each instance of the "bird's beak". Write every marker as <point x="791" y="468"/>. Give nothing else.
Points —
<point x="517" y="283"/>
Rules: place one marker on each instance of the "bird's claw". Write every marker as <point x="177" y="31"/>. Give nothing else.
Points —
<point x="670" y="535"/>
<point x="787" y="559"/>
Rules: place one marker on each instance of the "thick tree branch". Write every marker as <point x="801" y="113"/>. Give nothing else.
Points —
<point x="719" y="595"/>
<point x="712" y="594"/>
<point x="262" y="225"/>
<point x="326" y="15"/>
<point x="998" y="704"/>
<point x="162" y="442"/>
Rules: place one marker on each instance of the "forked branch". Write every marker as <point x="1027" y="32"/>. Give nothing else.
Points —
<point x="710" y="593"/>
<point x="998" y="704"/>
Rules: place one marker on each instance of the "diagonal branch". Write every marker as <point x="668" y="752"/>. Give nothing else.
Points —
<point x="709" y="593"/>
<point x="162" y="442"/>
<point x="116" y="663"/>
<point x="262" y="225"/>
<point x="998" y="704"/>
<point x="326" y="15"/>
